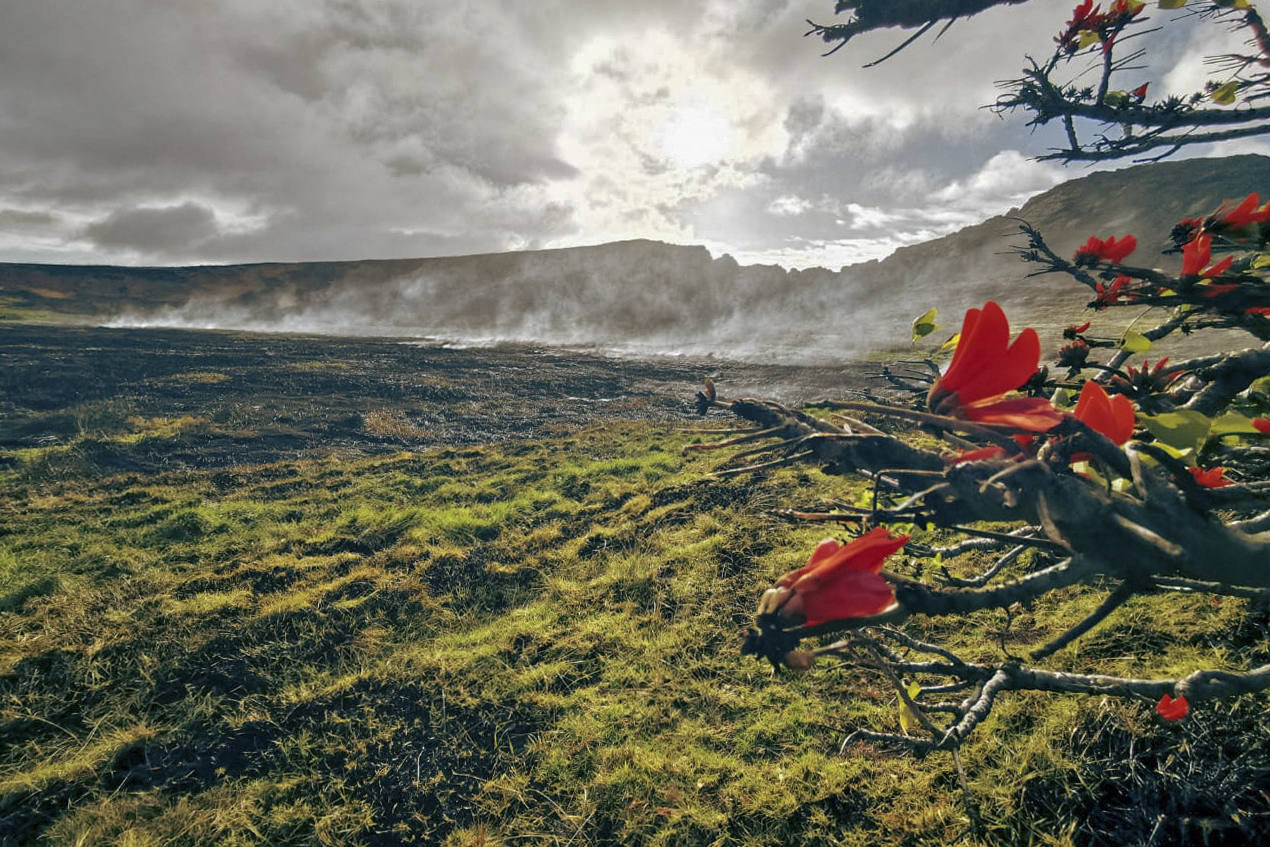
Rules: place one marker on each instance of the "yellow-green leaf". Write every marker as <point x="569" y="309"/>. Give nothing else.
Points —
<point x="1172" y="4"/>
<point x="1115" y="99"/>
<point x="1225" y="93"/>
<point x="1135" y="342"/>
<point x="1087" y="37"/>
<point x="908" y="718"/>
<point x="1086" y="469"/>
<point x="924" y="324"/>
<point x="1233" y="423"/>
<point x="951" y="344"/>
<point x="1184" y="429"/>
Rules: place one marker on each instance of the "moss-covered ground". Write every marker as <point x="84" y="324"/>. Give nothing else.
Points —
<point x="533" y="641"/>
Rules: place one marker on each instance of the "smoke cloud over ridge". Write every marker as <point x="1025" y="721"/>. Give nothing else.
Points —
<point x="636" y="297"/>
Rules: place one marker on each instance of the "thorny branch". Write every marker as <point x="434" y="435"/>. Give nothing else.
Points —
<point x="1157" y="533"/>
<point x="1127" y="124"/>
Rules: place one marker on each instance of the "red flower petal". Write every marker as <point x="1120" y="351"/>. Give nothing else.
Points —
<point x="854" y="594"/>
<point x="1034" y="414"/>
<point x="1172" y="710"/>
<point x="1219" y="268"/>
<point x="842" y="581"/>
<point x="1243" y="214"/>
<point x="1112" y="416"/>
<point x="985" y="364"/>
<point x="1212" y="478"/>
<point x="981" y="340"/>
<point x="1261" y="425"/>
<point x="1196" y="254"/>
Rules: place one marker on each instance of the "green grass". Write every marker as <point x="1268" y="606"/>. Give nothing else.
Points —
<point x="533" y="643"/>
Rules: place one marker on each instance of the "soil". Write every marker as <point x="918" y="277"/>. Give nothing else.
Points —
<point x="261" y="397"/>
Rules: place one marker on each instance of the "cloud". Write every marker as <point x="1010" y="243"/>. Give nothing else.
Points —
<point x="154" y="228"/>
<point x="229" y="131"/>
<point x="787" y="205"/>
<point x="1006" y="180"/>
<point x="24" y="219"/>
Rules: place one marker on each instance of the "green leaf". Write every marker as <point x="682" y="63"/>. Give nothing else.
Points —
<point x="1086" y="470"/>
<point x="1187" y="455"/>
<point x="1224" y="94"/>
<point x="1260" y="389"/>
<point x="1233" y="423"/>
<point x="908" y="718"/>
<point x="924" y="324"/>
<point x="951" y="344"/>
<point x="1135" y="342"/>
<point x="1182" y="430"/>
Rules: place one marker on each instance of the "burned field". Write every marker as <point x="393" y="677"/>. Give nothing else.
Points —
<point x="229" y="398"/>
<point x="95" y="396"/>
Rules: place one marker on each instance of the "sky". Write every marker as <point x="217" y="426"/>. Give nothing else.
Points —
<point x="148" y="132"/>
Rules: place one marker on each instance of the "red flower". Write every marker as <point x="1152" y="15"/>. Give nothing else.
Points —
<point x="1110" y="250"/>
<point x="1074" y="330"/>
<point x="1247" y="213"/>
<point x="1262" y="425"/>
<point x="1172" y="710"/>
<point x="1196" y="254"/>
<point x="1140" y="93"/>
<point x="1109" y="295"/>
<point x="1085" y="16"/>
<point x="1111" y="415"/>
<point x="842" y="581"/>
<point x="1264" y="311"/>
<point x="985" y="367"/>
<point x="1213" y="478"/>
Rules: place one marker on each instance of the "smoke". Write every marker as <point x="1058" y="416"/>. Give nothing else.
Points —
<point x="633" y="298"/>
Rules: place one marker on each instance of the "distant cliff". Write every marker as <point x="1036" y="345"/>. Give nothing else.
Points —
<point x="647" y="296"/>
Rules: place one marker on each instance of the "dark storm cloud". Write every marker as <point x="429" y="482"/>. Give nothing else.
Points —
<point x="154" y="228"/>
<point x="311" y="118"/>
<point x="22" y="219"/>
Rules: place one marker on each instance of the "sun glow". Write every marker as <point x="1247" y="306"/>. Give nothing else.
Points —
<point x="696" y="135"/>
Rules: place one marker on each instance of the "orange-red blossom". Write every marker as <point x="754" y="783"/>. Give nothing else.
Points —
<point x="1197" y="253"/>
<point x="985" y="367"/>
<point x="839" y="581"/>
<point x="1172" y="709"/>
<point x="1112" y="250"/>
<point x="1211" y="478"/>
<point x="1113" y="416"/>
